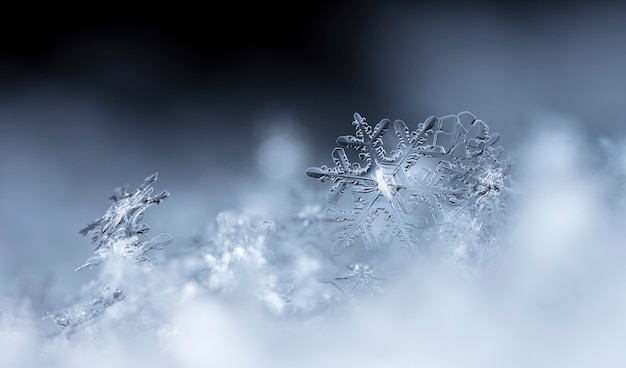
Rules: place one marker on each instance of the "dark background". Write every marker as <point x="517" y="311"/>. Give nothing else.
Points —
<point x="95" y="97"/>
<point x="398" y="59"/>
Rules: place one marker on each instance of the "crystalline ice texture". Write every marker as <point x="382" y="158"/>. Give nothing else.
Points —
<point x="117" y="232"/>
<point x="359" y="280"/>
<point x="84" y="312"/>
<point x="445" y="167"/>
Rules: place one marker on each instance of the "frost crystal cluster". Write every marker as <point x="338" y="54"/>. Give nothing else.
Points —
<point x="274" y="262"/>
<point x="235" y="258"/>
<point x="88" y="310"/>
<point x="116" y="234"/>
<point x="116" y="237"/>
<point x="446" y="174"/>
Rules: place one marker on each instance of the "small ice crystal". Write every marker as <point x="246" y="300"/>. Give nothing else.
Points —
<point x="86" y="311"/>
<point x="360" y="279"/>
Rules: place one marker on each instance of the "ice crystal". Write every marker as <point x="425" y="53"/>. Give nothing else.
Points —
<point x="235" y="256"/>
<point x="275" y="262"/>
<point x="359" y="280"/>
<point x="303" y="218"/>
<point x="299" y="244"/>
<point x="86" y="311"/>
<point x="234" y="241"/>
<point x="445" y="168"/>
<point x="468" y="242"/>
<point x="115" y="236"/>
<point x="117" y="232"/>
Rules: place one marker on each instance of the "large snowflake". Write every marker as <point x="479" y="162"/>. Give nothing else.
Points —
<point x="446" y="168"/>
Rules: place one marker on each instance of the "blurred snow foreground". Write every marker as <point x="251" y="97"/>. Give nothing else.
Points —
<point x="372" y="279"/>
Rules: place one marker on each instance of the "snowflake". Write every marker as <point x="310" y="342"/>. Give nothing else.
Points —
<point x="360" y="279"/>
<point x="115" y="235"/>
<point x="117" y="232"/>
<point x="446" y="167"/>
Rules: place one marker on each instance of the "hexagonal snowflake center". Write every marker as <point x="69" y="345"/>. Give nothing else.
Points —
<point x="385" y="183"/>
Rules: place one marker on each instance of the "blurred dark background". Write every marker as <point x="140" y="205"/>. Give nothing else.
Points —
<point x="92" y="98"/>
<point x="319" y="61"/>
